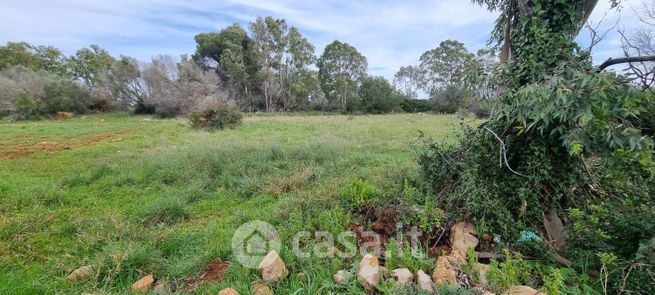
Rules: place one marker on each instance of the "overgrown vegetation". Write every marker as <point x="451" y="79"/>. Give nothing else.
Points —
<point x="561" y="149"/>
<point x="216" y="115"/>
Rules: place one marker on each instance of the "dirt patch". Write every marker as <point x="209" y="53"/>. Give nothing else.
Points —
<point x="19" y="150"/>
<point x="214" y="271"/>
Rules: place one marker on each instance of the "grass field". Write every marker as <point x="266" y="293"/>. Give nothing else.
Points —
<point x="135" y="195"/>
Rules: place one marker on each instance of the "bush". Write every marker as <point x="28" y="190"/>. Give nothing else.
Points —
<point x="378" y="96"/>
<point x="449" y="100"/>
<point x="410" y="105"/>
<point x="217" y="115"/>
<point x="65" y="96"/>
<point x="25" y="93"/>
<point x="565" y="145"/>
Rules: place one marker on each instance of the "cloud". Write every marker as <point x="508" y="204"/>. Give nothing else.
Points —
<point x="391" y="33"/>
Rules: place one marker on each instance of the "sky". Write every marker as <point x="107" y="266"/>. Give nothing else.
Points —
<point x="390" y="33"/>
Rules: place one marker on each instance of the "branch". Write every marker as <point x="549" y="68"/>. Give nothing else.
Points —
<point x="503" y="153"/>
<point x="614" y="61"/>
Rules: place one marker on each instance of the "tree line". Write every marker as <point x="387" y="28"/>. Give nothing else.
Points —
<point x="269" y="67"/>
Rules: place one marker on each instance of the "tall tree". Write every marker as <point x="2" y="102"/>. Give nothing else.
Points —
<point x="18" y="54"/>
<point x="125" y="82"/>
<point x="229" y="53"/>
<point x="538" y="28"/>
<point x="91" y="64"/>
<point x="269" y="38"/>
<point x="341" y="68"/>
<point x="444" y="66"/>
<point x="51" y="59"/>
<point x="36" y="58"/>
<point x="299" y="55"/>
<point x="407" y="81"/>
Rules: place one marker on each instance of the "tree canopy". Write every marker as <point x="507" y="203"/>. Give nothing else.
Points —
<point x="341" y="69"/>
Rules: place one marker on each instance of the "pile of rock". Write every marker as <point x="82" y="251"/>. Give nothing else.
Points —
<point x="463" y="237"/>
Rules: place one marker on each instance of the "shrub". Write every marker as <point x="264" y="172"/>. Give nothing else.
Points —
<point x="25" y="93"/>
<point x="510" y="272"/>
<point x="65" y="96"/>
<point x="378" y="96"/>
<point x="565" y="145"/>
<point x="449" y="100"/>
<point x="410" y="105"/>
<point x="217" y="115"/>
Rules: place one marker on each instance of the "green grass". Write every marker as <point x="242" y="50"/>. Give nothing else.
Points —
<point x="133" y="195"/>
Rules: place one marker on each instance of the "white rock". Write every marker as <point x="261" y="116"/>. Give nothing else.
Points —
<point x="424" y="281"/>
<point x="272" y="267"/>
<point x="402" y="275"/>
<point x="463" y="236"/>
<point x="82" y="273"/>
<point x="369" y="272"/>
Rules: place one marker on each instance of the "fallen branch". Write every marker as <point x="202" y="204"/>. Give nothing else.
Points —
<point x="615" y="61"/>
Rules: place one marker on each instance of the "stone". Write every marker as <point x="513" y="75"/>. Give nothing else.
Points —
<point x="482" y="274"/>
<point x="82" y="273"/>
<point x="523" y="290"/>
<point x="369" y="272"/>
<point x="272" y="267"/>
<point x="444" y="273"/>
<point x="260" y="289"/>
<point x="228" y="291"/>
<point x="341" y="277"/>
<point x="143" y="285"/>
<point x="402" y="275"/>
<point x="462" y="237"/>
<point x="458" y="256"/>
<point x="424" y="282"/>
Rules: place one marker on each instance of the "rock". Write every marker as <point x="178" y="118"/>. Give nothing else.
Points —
<point x="463" y="236"/>
<point x="482" y="274"/>
<point x="82" y="273"/>
<point x="424" y="282"/>
<point x="444" y="273"/>
<point x="369" y="272"/>
<point x="228" y="291"/>
<point x="523" y="290"/>
<point x="260" y="289"/>
<point x="341" y="277"/>
<point x="272" y="267"/>
<point x="458" y="256"/>
<point x="402" y="275"/>
<point x="143" y="285"/>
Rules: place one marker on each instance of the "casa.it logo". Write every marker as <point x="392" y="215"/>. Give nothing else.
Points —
<point x="253" y="240"/>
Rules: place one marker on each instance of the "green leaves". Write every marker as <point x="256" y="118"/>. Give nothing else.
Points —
<point x="341" y="67"/>
<point x="587" y="112"/>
